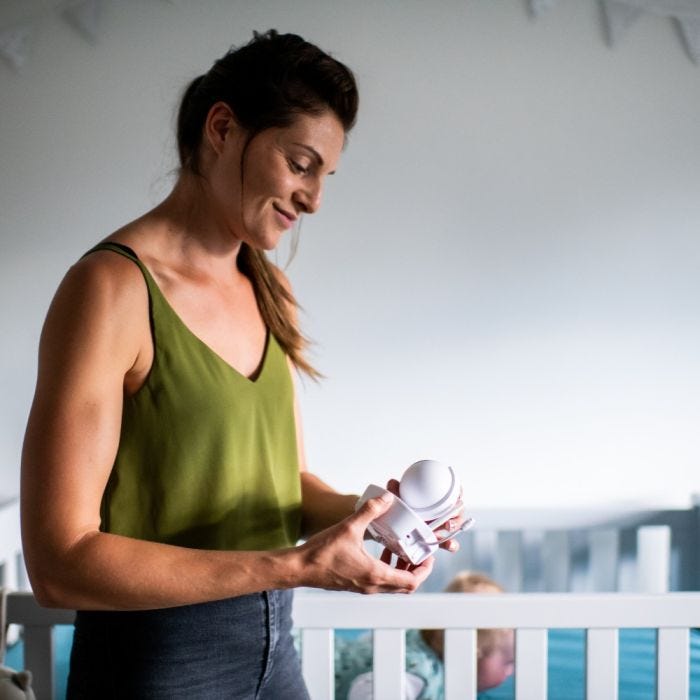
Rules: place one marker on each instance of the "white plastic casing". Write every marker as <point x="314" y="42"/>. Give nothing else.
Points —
<point x="429" y="495"/>
<point x="431" y="489"/>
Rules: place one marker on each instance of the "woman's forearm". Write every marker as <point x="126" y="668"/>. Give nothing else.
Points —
<point x="111" y="572"/>
<point x="322" y="505"/>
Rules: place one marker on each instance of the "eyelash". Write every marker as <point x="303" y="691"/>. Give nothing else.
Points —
<point x="296" y="168"/>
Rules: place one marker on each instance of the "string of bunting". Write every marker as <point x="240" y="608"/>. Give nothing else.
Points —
<point x="620" y="15"/>
<point x="84" y="16"/>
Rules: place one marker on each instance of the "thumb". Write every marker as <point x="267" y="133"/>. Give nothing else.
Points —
<point x="371" y="509"/>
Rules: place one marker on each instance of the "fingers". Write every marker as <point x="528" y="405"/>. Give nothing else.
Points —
<point x="386" y="556"/>
<point x="422" y="570"/>
<point x="403" y="565"/>
<point x="371" y="510"/>
<point x="406" y="577"/>
<point x="393" y="486"/>
<point x="449" y="529"/>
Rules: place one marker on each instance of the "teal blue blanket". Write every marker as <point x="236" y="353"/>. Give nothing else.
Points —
<point x="637" y="666"/>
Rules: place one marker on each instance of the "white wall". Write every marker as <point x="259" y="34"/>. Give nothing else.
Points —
<point x="505" y="271"/>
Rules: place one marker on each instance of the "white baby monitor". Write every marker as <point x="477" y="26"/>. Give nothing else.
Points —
<point x="429" y="495"/>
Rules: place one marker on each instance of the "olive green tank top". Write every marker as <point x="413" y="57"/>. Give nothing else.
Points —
<point x="207" y="457"/>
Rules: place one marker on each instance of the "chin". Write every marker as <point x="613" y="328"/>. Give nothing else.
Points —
<point x="266" y="242"/>
<point x="269" y="245"/>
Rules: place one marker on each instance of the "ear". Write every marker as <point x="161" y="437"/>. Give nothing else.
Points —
<point x="220" y="125"/>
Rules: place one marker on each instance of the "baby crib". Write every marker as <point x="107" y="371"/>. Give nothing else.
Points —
<point x="602" y="555"/>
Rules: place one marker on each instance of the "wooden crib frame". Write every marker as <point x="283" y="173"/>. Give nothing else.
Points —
<point x="317" y="614"/>
<point x="530" y="614"/>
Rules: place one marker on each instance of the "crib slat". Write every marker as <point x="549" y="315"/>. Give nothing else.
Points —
<point x="531" y="664"/>
<point x="9" y="574"/>
<point x="604" y="555"/>
<point x="317" y="663"/>
<point x="389" y="664"/>
<point x="38" y="657"/>
<point x="654" y="558"/>
<point x="508" y="567"/>
<point x="556" y="561"/>
<point x="460" y="664"/>
<point x="674" y="666"/>
<point x="601" y="664"/>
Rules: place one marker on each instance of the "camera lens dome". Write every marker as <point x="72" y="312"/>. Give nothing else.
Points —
<point x="429" y="487"/>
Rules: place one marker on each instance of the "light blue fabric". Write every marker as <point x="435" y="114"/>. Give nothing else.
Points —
<point x="353" y="657"/>
<point x="565" y="669"/>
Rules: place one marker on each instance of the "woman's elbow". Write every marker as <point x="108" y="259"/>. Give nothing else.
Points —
<point x="45" y="585"/>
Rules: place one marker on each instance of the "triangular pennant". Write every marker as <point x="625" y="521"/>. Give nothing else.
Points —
<point x="14" y="45"/>
<point x="84" y="16"/>
<point x="539" y="7"/>
<point x="682" y="9"/>
<point x="619" y="17"/>
<point x="690" y="30"/>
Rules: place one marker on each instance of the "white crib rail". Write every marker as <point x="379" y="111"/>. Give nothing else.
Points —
<point x="22" y="609"/>
<point x="552" y="554"/>
<point x="12" y="574"/>
<point x="530" y="614"/>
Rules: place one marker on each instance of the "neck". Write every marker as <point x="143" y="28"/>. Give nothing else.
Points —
<point x="190" y="222"/>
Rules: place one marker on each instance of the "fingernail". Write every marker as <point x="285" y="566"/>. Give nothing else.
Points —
<point x="387" y="497"/>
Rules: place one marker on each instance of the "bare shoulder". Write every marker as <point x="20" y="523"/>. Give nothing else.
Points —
<point x="103" y="277"/>
<point x="102" y="299"/>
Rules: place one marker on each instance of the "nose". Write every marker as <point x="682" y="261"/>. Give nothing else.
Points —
<point x="308" y="198"/>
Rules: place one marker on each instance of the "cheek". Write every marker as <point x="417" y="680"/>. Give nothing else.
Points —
<point x="492" y="672"/>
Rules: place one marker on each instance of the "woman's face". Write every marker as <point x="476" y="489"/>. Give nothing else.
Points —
<point x="262" y="188"/>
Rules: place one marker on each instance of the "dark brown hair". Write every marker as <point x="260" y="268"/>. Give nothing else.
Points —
<point x="267" y="83"/>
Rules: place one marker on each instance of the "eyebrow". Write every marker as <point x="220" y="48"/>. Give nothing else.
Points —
<point x="313" y="152"/>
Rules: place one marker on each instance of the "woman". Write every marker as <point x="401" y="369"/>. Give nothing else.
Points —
<point x="163" y="477"/>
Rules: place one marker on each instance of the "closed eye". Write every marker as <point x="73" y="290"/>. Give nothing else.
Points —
<point x="297" y="168"/>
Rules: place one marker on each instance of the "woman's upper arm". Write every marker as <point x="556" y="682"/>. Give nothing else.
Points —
<point x="92" y="338"/>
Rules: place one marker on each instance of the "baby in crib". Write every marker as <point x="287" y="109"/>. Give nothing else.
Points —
<point x="424" y="653"/>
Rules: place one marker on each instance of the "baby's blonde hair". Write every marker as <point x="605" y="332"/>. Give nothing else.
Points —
<point x="487" y="640"/>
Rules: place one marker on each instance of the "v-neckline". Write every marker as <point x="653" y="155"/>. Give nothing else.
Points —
<point x="257" y="373"/>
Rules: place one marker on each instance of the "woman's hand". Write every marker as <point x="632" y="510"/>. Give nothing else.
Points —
<point x="336" y="559"/>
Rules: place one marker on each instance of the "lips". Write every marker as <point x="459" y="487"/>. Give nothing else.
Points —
<point x="286" y="216"/>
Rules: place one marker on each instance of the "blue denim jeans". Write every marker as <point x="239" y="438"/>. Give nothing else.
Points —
<point x="236" y="648"/>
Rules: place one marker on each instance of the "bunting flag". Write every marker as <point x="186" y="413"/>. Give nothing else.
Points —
<point x="690" y="30"/>
<point x="539" y="7"/>
<point x="84" y="16"/>
<point x="619" y="17"/>
<point x="15" y="45"/>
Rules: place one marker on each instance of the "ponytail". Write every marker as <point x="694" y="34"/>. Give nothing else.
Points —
<point x="277" y="306"/>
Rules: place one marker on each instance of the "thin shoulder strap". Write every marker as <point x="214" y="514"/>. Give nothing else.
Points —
<point x="117" y="248"/>
<point x="151" y="285"/>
